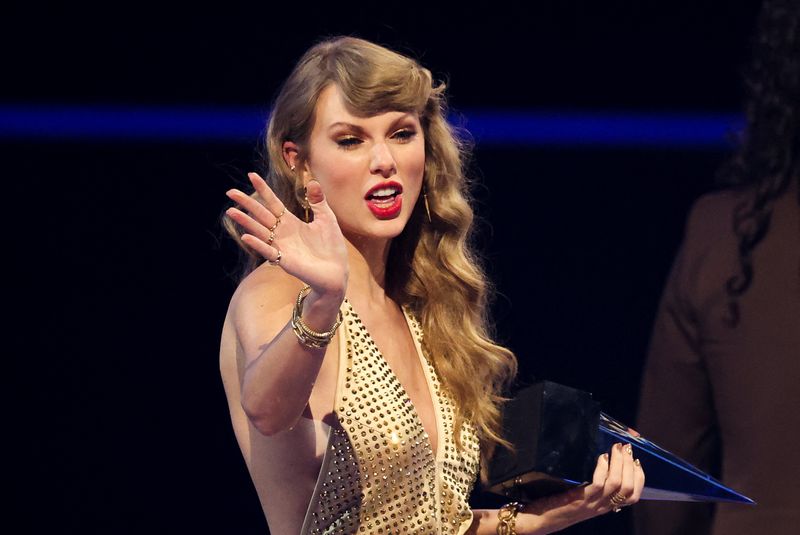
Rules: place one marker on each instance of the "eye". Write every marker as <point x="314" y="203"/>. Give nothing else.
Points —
<point x="405" y="135"/>
<point x="348" y="142"/>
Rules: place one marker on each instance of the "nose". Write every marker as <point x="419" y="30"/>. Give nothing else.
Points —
<point x="382" y="162"/>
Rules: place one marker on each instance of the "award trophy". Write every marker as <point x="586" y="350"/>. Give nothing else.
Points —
<point x="558" y="432"/>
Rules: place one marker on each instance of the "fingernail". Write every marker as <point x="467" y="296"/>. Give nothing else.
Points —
<point x="605" y="456"/>
<point x="637" y="462"/>
<point x="628" y="449"/>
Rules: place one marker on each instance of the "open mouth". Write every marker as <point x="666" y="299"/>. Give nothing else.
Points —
<point x="385" y="200"/>
<point x="384" y="193"/>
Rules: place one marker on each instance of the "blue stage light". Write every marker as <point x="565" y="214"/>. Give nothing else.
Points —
<point x="523" y="128"/>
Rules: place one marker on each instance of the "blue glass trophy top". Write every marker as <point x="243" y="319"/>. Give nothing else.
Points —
<point x="668" y="476"/>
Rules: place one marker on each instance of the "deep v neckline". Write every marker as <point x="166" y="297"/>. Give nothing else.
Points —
<point x="425" y="372"/>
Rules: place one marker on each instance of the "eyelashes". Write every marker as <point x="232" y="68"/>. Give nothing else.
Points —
<point x="405" y="135"/>
<point x="348" y="142"/>
<point x="402" y="136"/>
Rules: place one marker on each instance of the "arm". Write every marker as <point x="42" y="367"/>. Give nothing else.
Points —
<point x="676" y="406"/>
<point x="617" y="474"/>
<point x="280" y="371"/>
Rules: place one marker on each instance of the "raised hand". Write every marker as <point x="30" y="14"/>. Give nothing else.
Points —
<point x="313" y="252"/>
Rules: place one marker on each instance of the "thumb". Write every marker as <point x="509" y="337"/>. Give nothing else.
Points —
<point x="314" y="194"/>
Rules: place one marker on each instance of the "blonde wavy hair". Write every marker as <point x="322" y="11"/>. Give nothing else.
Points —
<point x="445" y="287"/>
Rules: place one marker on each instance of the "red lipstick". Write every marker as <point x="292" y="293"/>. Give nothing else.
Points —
<point x="385" y="199"/>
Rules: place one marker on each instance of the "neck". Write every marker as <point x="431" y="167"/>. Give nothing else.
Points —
<point x="367" y="282"/>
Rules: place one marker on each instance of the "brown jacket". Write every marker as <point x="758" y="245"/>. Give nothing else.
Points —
<point x="728" y="399"/>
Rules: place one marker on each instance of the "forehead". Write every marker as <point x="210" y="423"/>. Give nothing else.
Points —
<point x="331" y="108"/>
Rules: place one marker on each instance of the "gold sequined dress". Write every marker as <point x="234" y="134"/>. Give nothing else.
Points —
<point x="379" y="473"/>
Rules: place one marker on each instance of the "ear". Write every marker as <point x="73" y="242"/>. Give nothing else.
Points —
<point x="291" y="155"/>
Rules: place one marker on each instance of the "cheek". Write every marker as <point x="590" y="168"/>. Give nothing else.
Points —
<point x="333" y="171"/>
<point x="419" y="152"/>
<point x="418" y="165"/>
<point x="413" y="161"/>
<point x="339" y="179"/>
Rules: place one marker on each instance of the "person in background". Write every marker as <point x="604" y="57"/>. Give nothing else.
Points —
<point x="721" y="385"/>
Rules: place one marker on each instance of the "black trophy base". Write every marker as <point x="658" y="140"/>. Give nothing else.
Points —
<point x="554" y="431"/>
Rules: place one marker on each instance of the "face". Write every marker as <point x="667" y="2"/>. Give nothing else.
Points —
<point x="370" y="168"/>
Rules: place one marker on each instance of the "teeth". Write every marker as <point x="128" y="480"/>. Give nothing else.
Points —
<point x="383" y="192"/>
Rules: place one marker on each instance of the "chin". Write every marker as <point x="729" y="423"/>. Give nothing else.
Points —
<point x="379" y="229"/>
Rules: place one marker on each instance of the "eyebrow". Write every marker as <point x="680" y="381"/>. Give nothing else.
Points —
<point x="358" y="128"/>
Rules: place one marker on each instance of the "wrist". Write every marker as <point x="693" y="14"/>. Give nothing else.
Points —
<point x="529" y="524"/>
<point x="330" y="295"/>
<point x="319" y="312"/>
<point x="322" y="302"/>
<point x="507" y="518"/>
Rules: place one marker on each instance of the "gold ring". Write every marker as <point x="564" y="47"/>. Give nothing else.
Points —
<point x="277" y="220"/>
<point x="271" y="238"/>
<point x="618" y="501"/>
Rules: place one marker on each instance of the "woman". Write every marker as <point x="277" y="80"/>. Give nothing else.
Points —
<point x="361" y="378"/>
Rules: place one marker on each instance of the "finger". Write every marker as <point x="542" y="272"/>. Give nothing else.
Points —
<point x="639" y="479"/>
<point x="251" y="225"/>
<point x="317" y="201"/>
<point x="254" y="207"/>
<point x="271" y="201"/>
<point x="314" y="192"/>
<point x="267" y="251"/>
<point x="316" y="198"/>
<point x="614" y="479"/>
<point x="628" y="472"/>
<point x="594" y="490"/>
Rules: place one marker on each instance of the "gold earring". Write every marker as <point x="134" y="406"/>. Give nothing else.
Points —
<point x="292" y="168"/>
<point x="425" y="198"/>
<point x="305" y="204"/>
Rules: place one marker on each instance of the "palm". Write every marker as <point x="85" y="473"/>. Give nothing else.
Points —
<point x="313" y="252"/>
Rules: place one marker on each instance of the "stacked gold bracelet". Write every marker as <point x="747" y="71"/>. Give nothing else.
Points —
<point x="507" y="518"/>
<point x="307" y="336"/>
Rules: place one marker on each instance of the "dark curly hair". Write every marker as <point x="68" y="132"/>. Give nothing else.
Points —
<point x="766" y="160"/>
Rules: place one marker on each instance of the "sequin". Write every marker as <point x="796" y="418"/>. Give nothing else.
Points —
<point x="380" y="474"/>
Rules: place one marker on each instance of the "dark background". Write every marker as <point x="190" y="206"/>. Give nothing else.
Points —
<point x="119" y="271"/>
